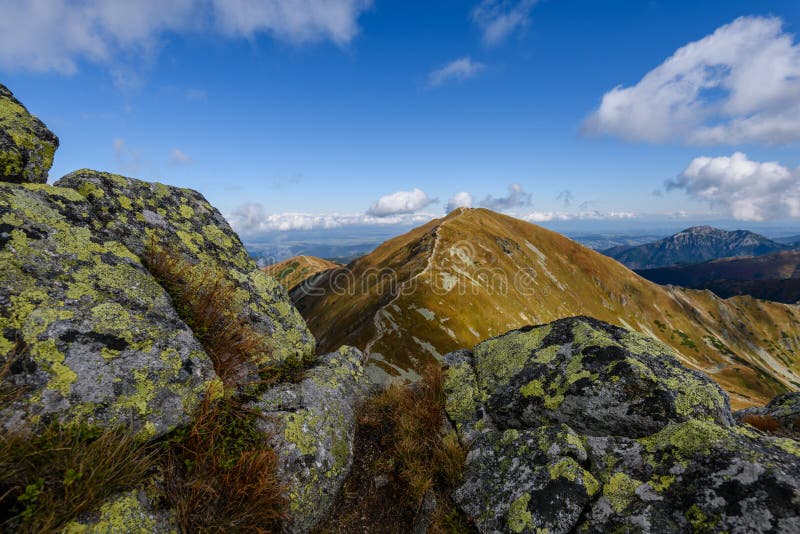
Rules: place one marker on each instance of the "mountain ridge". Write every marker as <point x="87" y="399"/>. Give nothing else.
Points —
<point x="405" y="317"/>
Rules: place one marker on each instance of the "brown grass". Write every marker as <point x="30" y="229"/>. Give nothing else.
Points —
<point x="206" y="300"/>
<point x="765" y="423"/>
<point x="402" y="436"/>
<point x="49" y="479"/>
<point x="222" y="475"/>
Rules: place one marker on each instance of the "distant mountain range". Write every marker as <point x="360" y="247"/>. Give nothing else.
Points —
<point x="694" y="245"/>
<point x="771" y="277"/>
<point x="476" y="274"/>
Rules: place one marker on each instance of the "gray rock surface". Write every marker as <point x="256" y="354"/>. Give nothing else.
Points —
<point x="312" y="427"/>
<point x="27" y="147"/>
<point x="89" y="335"/>
<point x="582" y="426"/>
<point x="136" y="213"/>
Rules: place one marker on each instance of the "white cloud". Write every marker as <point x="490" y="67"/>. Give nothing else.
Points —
<point x="297" y="21"/>
<point x="498" y="19"/>
<point x="252" y="219"/>
<point x="178" y="157"/>
<point x="516" y="198"/>
<point x="458" y="70"/>
<point x="459" y="200"/>
<point x="747" y="190"/>
<point x="56" y="35"/>
<point x="547" y="216"/>
<point x="738" y="85"/>
<point x="401" y="202"/>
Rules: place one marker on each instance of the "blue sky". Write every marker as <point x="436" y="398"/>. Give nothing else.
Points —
<point x="315" y="113"/>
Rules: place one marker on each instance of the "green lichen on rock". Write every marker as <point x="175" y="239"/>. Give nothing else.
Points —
<point x="312" y="426"/>
<point x="85" y="325"/>
<point x="137" y="213"/>
<point x="607" y="432"/>
<point x="132" y="512"/>
<point x="27" y="147"/>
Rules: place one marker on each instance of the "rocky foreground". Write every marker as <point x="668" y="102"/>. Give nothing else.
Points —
<point x="572" y="426"/>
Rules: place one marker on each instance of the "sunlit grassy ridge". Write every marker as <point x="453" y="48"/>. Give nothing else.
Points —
<point x="294" y="270"/>
<point x="447" y="293"/>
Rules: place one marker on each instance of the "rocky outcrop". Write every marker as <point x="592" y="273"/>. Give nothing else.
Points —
<point x="87" y="334"/>
<point x="26" y="145"/>
<point x="132" y="512"/>
<point x="137" y="213"/>
<point x="582" y="426"/>
<point x="312" y="426"/>
<point x="784" y="410"/>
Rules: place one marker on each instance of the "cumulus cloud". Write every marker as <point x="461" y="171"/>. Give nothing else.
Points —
<point x="566" y="197"/>
<point x="400" y="202"/>
<point x="178" y="157"/>
<point x="516" y="198"/>
<point x="58" y="34"/>
<point x="252" y="219"/>
<point x="459" y="200"/>
<point x="458" y="70"/>
<point x="498" y="19"/>
<point x="594" y="215"/>
<point x="740" y="84"/>
<point x="748" y="190"/>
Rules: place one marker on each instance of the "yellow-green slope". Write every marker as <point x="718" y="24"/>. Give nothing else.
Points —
<point x="475" y="274"/>
<point x="298" y="268"/>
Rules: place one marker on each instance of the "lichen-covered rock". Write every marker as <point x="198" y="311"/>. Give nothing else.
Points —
<point x="90" y="335"/>
<point x="783" y="409"/>
<point x="598" y="378"/>
<point x="312" y="426"/>
<point x="132" y="512"/>
<point x="661" y="456"/>
<point x="27" y="147"/>
<point x="135" y="213"/>
<point x="522" y="480"/>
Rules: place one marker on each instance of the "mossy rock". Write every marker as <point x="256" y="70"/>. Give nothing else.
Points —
<point x="535" y="466"/>
<point x="783" y="409"/>
<point x="27" y="147"/>
<point x="87" y="332"/>
<point x="312" y="427"/>
<point x="137" y="213"/>
<point x="598" y="378"/>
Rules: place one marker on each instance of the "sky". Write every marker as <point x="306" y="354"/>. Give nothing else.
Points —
<point x="317" y="114"/>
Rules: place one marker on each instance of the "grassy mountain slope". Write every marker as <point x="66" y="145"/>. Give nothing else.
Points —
<point x="694" y="245"/>
<point x="294" y="270"/>
<point x="475" y="274"/>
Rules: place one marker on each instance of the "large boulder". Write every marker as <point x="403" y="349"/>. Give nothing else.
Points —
<point x="582" y="426"/>
<point x="86" y="334"/>
<point x="27" y="147"/>
<point x="131" y="512"/>
<point x="312" y="427"/>
<point x="137" y="213"/>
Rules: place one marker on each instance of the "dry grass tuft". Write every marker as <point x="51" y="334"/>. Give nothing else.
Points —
<point x="49" y="479"/>
<point x="206" y="300"/>
<point x="765" y="423"/>
<point x="222" y="475"/>
<point x="402" y="436"/>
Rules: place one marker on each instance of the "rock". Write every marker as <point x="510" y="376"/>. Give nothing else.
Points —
<point x="132" y="512"/>
<point x="597" y="378"/>
<point x="783" y="409"/>
<point x="312" y="427"/>
<point x="90" y="335"/>
<point x="582" y="426"/>
<point x="27" y="147"/>
<point x="134" y="213"/>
